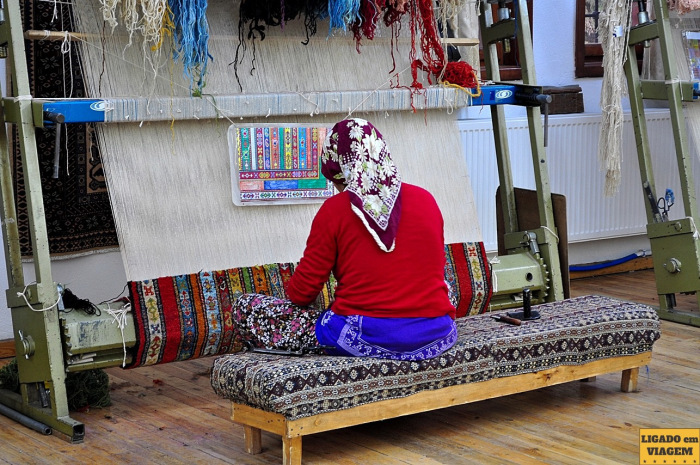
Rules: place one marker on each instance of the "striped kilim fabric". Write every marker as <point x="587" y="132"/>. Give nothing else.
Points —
<point x="190" y="316"/>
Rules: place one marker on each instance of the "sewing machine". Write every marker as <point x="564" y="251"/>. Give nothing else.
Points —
<point x="50" y="343"/>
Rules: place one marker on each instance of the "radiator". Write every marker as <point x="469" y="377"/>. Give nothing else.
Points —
<point x="575" y="172"/>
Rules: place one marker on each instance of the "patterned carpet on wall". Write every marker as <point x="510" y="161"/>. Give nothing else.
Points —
<point x="78" y="214"/>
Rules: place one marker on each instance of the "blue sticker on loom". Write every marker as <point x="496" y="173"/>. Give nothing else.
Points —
<point x="280" y="185"/>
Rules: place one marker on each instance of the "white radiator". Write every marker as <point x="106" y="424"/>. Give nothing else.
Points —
<point x="575" y="172"/>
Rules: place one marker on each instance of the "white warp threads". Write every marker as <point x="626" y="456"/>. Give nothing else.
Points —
<point x="119" y="317"/>
<point x="170" y="186"/>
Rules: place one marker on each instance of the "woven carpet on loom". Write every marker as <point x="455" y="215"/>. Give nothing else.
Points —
<point x="190" y="316"/>
<point x="78" y="213"/>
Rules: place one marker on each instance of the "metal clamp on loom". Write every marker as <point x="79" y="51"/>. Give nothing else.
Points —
<point x="533" y="97"/>
<point x="58" y="119"/>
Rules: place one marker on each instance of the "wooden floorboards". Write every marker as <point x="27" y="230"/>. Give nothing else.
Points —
<point x="170" y="415"/>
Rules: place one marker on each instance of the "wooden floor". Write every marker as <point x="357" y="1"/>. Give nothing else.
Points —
<point x="170" y="415"/>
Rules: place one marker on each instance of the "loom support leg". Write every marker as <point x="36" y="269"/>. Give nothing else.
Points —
<point x="675" y="244"/>
<point x="35" y="322"/>
<point x="546" y="235"/>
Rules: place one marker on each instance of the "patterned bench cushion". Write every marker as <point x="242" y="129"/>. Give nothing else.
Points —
<point x="570" y="332"/>
<point x="189" y="316"/>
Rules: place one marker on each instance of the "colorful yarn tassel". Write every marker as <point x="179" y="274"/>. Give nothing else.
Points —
<point x="191" y="37"/>
<point x="343" y="13"/>
<point x="369" y="15"/>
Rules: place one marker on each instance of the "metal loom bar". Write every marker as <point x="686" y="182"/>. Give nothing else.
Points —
<point x="130" y="110"/>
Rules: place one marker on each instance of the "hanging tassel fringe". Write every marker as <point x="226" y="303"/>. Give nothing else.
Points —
<point x="342" y="13"/>
<point x="613" y="30"/>
<point x="191" y="36"/>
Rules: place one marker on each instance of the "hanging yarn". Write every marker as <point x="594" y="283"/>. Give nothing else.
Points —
<point x="448" y="10"/>
<point x="342" y="13"/>
<point x="683" y="6"/>
<point x="254" y="16"/>
<point x="366" y="24"/>
<point x="191" y="37"/>
<point x="142" y="17"/>
<point x="613" y="30"/>
<point x="432" y="58"/>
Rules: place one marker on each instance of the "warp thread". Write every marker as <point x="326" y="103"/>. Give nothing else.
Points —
<point x="186" y="23"/>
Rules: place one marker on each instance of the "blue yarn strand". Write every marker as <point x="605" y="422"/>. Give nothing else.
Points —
<point x="342" y="13"/>
<point x="191" y="39"/>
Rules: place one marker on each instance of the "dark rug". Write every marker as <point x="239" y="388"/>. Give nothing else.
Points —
<point x="78" y="214"/>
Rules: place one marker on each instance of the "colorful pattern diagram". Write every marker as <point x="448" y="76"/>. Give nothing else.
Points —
<point x="273" y="164"/>
<point x="693" y="48"/>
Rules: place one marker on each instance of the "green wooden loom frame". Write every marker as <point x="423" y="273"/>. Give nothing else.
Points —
<point x="675" y="244"/>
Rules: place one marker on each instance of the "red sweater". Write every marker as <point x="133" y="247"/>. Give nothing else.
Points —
<point x="407" y="282"/>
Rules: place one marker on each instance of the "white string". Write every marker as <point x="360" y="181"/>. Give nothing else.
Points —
<point x="119" y="316"/>
<point x="494" y="276"/>
<point x="613" y="29"/>
<point x="552" y="232"/>
<point x="55" y="10"/>
<point x="23" y="294"/>
<point x="374" y="91"/>
<point x="66" y="50"/>
<point x="696" y="233"/>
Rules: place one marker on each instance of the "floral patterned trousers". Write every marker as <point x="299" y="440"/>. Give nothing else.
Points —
<point x="271" y="323"/>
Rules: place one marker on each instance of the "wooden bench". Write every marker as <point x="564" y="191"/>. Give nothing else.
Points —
<point x="296" y="396"/>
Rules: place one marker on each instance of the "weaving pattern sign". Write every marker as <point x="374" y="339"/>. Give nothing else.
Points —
<point x="278" y="164"/>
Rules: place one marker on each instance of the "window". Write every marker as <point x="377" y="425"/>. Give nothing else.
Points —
<point x="589" y="52"/>
<point x="509" y="60"/>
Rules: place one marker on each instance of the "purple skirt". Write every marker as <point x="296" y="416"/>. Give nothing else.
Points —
<point x="392" y="338"/>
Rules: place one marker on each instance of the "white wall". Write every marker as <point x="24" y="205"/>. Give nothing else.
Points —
<point x="553" y="49"/>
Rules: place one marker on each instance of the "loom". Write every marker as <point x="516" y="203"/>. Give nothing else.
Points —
<point x="675" y="244"/>
<point x="50" y="343"/>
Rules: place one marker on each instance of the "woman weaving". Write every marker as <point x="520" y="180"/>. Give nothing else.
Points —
<point x="383" y="241"/>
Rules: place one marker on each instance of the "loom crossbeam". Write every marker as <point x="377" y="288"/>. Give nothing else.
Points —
<point x="125" y="110"/>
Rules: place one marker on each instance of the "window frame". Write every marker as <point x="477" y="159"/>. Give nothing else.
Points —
<point x="588" y="58"/>
<point x="509" y="63"/>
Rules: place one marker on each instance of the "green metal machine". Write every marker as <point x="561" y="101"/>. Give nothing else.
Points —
<point x="50" y="343"/>
<point x="675" y="244"/>
<point x="519" y="269"/>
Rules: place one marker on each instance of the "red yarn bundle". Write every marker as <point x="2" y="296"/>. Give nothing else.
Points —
<point x="460" y="73"/>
